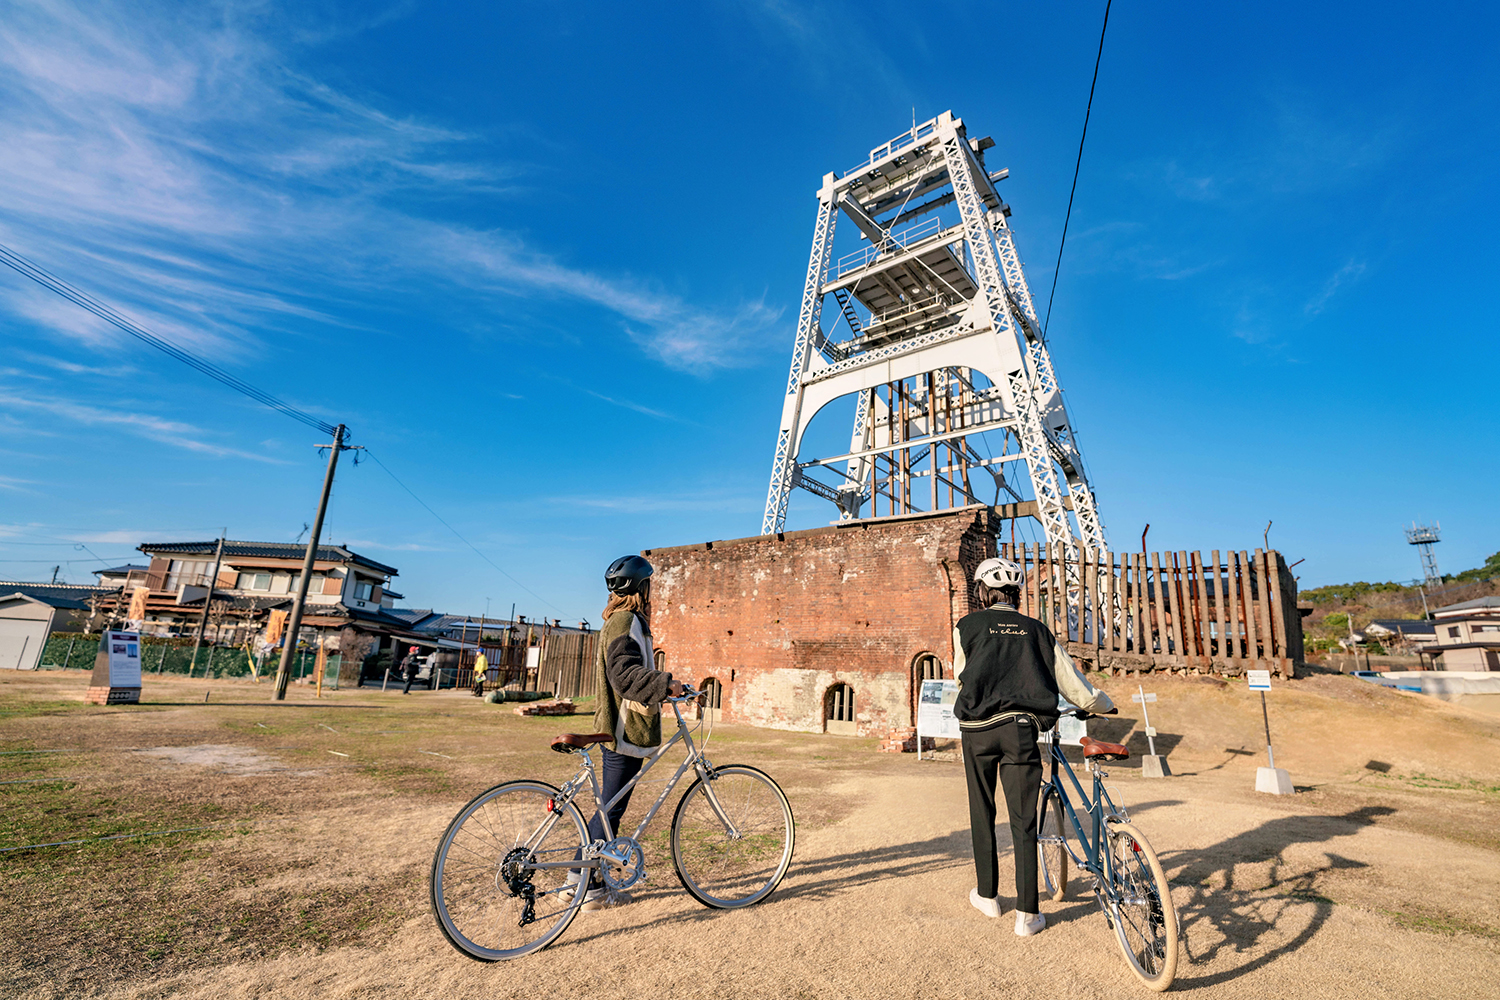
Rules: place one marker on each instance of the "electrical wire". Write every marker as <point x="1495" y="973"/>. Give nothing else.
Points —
<point x="376" y="459"/>
<point x="1076" y="167"/>
<point x="52" y="282"/>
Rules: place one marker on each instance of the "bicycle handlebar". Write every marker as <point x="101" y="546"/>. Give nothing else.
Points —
<point x="1081" y="715"/>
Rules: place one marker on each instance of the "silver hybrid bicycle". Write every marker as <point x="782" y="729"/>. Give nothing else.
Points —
<point x="511" y="868"/>
<point x="1125" y="876"/>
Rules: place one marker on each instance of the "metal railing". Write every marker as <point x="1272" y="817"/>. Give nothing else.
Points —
<point x="908" y="138"/>
<point x="903" y="239"/>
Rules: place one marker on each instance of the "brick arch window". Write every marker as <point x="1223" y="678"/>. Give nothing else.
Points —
<point x="713" y="693"/>
<point x="660" y="656"/>
<point x="924" y="667"/>
<point x="838" y="710"/>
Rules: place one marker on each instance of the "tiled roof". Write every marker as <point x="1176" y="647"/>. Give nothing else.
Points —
<point x="264" y="550"/>
<point x="121" y="570"/>
<point x="73" y="597"/>
<point x="1406" y="626"/>
<point x="1474" y="605"/>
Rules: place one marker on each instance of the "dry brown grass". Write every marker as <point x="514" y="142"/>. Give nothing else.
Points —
<point x="1381" y="870"/>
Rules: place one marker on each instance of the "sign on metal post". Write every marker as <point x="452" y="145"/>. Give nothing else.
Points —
<point x="1140" y="699"/>
<point x="1270" y="779"/>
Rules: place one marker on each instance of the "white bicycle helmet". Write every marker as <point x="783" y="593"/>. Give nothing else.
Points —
<point x="998" y="573"/>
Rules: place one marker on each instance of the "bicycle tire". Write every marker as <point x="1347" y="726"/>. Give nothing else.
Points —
<point x="1145" y="920"/>
<point x="479" y="882"/>
<point x="1051" y="846"/>
<point x="727" y="872"/>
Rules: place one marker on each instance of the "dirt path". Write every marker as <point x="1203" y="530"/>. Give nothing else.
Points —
<point x="1370" y="883"/>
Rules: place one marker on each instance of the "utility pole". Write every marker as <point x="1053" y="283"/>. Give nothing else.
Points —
<point x="208" y="599"/>
<point x="283" y="672"/>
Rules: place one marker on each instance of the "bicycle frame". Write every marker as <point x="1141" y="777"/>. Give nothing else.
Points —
<point x="1091" y="840"/>
<point x="570" y="789"/>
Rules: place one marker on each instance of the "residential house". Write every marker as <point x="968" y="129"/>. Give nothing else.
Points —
<point x="1468" y="635"/>
<point x="1401" y="635"/>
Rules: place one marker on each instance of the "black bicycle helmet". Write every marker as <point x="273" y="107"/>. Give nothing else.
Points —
<point x="626" y="574"/>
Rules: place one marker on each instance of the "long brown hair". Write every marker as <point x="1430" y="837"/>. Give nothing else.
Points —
<point x="638" y="602"/>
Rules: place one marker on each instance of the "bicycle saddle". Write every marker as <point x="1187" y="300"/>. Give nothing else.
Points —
<point x="1098" y="748"/>
<point x="568" y="742"/>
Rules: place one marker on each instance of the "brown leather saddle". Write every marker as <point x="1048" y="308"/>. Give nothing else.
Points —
<point x="569" y="742"/>
<point x="1093" y="749"/>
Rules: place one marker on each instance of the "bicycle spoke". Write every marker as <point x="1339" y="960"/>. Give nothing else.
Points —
<point x="490" y="899"/>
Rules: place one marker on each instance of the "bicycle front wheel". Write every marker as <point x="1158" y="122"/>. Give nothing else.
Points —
<point x="732" y="837"/>
<point x="1051" y="845"/>
<point x="495" y="891"/>
<point x="1145" y="920"/>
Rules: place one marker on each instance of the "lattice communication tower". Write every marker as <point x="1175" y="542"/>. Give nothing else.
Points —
<point x="1424" y="538"/>
<point x="935" y="335"/>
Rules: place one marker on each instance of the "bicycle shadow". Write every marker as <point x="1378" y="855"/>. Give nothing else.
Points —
<point x="1227" y="913"/>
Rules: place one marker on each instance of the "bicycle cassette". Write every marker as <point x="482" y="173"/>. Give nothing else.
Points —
<point x="624" y="863"/>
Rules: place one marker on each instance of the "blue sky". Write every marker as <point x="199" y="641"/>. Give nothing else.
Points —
<point x="544" y="261"/>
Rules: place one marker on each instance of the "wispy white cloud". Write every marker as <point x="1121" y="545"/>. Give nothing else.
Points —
<point x="171" y="432"/>
<point x="659" y="504"/>
<point x="1345" y="275"/>
<point x="178" y="166"/>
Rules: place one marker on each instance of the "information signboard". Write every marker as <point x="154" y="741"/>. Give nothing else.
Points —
<point x="117" y="670"/>
<point x="1260" y="680"/>
<point x="935" y="710"/>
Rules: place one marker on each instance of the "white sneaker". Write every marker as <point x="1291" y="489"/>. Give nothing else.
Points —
<point x="1028" y="924"/>
<point x="603" y="899"/>
<point x="984" y="904"/>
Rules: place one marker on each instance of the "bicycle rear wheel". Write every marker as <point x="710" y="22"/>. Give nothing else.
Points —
<point x="491" y="899"/>
<point x="1145" y="920"/>
<point x="1051" y="847"/>
<point x="732" y="837"/>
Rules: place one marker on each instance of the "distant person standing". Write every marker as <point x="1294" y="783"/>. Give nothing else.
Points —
<point x="409" y="668"/>
<point x="1010" y="671"/>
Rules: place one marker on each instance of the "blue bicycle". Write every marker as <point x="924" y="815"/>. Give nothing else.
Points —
<point x="1128" y="882"/>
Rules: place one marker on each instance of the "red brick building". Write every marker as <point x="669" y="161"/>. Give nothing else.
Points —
<point x="826" y="630"/>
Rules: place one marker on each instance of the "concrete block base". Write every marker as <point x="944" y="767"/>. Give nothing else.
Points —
<point x="1155" y="766"/>
<point x="1273" y="781"/>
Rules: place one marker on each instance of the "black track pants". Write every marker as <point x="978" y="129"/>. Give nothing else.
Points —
<point x="1012" y="749"/>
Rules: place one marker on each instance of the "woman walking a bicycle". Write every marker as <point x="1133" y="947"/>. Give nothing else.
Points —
<point x="631" y="691"/>
<point x="1010" y="670"/>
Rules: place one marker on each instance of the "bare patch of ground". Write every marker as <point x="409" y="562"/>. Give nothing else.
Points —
<point x="1379" y="879"/>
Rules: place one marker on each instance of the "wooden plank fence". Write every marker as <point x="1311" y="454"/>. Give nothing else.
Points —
<point x="1167" y="610"/>
<point x="567" y="667"/>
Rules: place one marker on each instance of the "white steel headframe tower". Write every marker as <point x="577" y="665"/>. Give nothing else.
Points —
<point x="946" y="350"/>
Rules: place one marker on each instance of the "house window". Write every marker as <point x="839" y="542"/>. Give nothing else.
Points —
<point x="1484" y="628"/>
<point x="185" y="572"/>
<point x="281" y="583"/>
<point x="713" y="693"/>
<point x="838" y="710"/>
<point x="254" y="581"/>
<point x="1453" y="632"/>
<point x="363" y="590"/>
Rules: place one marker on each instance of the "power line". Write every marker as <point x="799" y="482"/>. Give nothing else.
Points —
<point x="461" y="538"/>
<point x="52" y="282"/>
<point x="1063" y="242"/>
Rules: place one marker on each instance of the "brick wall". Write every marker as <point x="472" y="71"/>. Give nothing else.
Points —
<point x="779" y="620"/>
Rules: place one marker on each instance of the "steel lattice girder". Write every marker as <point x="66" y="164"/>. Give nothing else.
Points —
<point x="942" y="301"/>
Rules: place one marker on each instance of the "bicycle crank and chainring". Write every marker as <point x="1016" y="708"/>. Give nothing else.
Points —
<point x="624" y="863"/>
<point x="515" y="875"/>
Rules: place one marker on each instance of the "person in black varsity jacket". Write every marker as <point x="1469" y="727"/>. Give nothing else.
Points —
<point x="1010" y="670"/>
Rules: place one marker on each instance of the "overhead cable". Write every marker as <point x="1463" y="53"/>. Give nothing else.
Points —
<point x="1063" y="242"/>
<point x="460" y="537"/>
<point x="51" y="281"/>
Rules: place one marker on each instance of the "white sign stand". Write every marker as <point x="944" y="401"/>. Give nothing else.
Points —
<point x="1152" y="765"/>
<point x="117" y="670"/>
<point x="1271" y="780"/>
